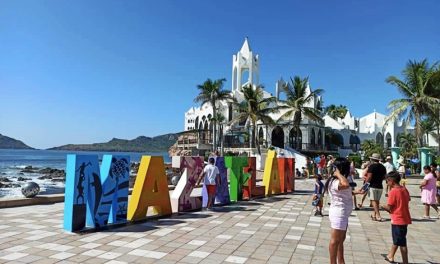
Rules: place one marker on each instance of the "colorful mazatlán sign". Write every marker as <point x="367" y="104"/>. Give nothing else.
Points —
<point x="97" y="196"/>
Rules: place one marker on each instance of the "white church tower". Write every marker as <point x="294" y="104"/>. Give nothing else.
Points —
<point x="245" y="67"/>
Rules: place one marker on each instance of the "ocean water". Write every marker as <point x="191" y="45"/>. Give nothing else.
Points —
<point x="13" y="161"/>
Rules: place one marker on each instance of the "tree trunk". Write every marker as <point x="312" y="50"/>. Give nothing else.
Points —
<point x="296" y="138"/>
<point x="419" y="139"/>
<point x="438" y="136"/>
<point x="221" y="139"/>
<point x="214" y="127"/>
<point x="255" y="137"/>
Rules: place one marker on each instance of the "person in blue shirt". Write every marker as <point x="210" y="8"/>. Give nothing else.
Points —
<point x="318" y="195"/>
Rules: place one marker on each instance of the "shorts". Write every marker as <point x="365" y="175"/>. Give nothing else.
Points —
<point x="339" y="223"/>
<point x="211" y="189"/>
<point x="375" y="194"/>
<point x="399" y="235"/>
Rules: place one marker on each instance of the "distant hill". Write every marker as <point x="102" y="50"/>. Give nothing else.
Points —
<point x="10" y="143"/>
<point x="140" y="144"/>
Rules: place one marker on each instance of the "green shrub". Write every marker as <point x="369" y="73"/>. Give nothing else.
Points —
<point x="357" y="159"/>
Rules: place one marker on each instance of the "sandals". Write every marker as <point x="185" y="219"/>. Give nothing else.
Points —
<point x="380" y="219"/>
<point x="389" y="260"/>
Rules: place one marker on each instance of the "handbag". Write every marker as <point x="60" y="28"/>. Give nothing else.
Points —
<point x="315" y="202"/>
<point x="353" y="184"/>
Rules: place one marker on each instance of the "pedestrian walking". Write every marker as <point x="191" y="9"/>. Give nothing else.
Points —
<point x="318" y="195"/>
<point x="389" y="167"/>
<point x="398" y="207"/>
<point x="211" y="176"/>
<point x="364" y="168"/>
<point x="429" y="192"/>
<point x="375" y="176"/>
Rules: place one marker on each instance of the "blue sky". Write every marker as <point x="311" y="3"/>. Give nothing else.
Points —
<point x="88" y="71"/>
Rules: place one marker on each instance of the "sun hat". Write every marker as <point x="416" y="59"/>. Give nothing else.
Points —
<point x="375" y="156"/>
<point x="401" y="160"/>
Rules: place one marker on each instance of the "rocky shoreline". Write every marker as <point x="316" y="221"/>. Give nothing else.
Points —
<point x="59" y="176"/>
<point x="54" y="175"/>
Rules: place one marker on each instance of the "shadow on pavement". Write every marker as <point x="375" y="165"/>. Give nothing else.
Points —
<point x="422" y="220"/>
<point x="302" y="192"/>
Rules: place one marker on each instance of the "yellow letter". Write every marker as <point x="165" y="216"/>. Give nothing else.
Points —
<point x="271" y="178"/>
<point x="150" y="189"/>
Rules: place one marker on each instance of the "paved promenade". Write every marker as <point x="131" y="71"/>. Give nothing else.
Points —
<point x="280" y="229"/>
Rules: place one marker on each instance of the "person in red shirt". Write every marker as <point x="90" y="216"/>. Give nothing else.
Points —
<point x="321" y="166"/>
<point x="398" y="207"/>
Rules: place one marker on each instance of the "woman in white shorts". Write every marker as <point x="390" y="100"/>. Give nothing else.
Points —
<point x="341" y="207"/>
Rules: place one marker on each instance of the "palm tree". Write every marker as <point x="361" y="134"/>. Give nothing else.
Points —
<point x="427" y="125"/>
<point x="212" y="92"/>
<point x="255" y="108"/>
<point x="297" y="101"/>
<point x="370" y="146"/>
<point x="408" y="143"/>
<point x="417" y="99"/>
<point x="434" y="91"/>
<point x="220" y="120"/>
<point x="336" y="111"/>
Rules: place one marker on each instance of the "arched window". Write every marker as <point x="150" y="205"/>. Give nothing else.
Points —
<point x="388" y="140"/>
<point x="295" y="139"/>
<point x="312" y="137"/>
<point x="260" y="136"/>
<point x="278" y="137"/>
<point x="379" y="139"/>
<point x="320" y="138"/>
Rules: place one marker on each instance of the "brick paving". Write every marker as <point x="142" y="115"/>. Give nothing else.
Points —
<point x="279" y="229"/>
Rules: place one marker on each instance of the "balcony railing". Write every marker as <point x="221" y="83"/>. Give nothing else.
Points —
<point x="312" y="147"/>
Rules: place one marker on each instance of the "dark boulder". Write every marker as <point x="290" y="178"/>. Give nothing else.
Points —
<point x="29" y="169"/>
<point x="9" y="185"/>
<point x="50" y="173"/>
<point x="23" y="179"/>
<point x="4" y="179"/>
<point x="58" y="180"/>
<point x="45" y="177"/>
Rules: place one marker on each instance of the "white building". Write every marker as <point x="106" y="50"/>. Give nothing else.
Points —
<point x="341" y="135"/>
<point x="245" y="71"/>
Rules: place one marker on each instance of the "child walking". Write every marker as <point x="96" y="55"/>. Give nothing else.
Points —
<point x="398" y="207"/>
<point x="318" y="195"/>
